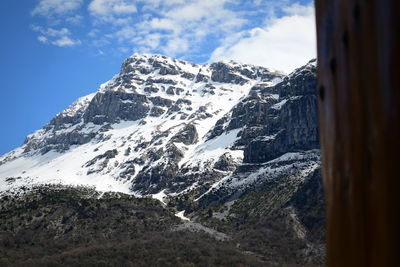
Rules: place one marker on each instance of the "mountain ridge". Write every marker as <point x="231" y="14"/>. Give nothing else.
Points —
<point x="58" y="136"/>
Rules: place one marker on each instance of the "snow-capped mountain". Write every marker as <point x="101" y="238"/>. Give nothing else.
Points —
<point x="164" y="126"/>
<point x="232" y="147"/>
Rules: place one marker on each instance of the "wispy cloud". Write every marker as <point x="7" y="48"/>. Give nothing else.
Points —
<point x="262" y="32"/>
<point x="58" y="37"/>
<point x="50" y="8"/>
<point x="112" y="11"/>
<point x="42" y="39"/>
<point x="183" y="26"/>
<point x="65" y="41"/>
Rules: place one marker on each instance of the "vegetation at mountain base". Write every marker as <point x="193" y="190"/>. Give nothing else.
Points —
<point x="59" y="225"/>
<point x="53" y="226"/>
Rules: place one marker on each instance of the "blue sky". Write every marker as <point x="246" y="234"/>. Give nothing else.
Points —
<point x="54" y="51"/>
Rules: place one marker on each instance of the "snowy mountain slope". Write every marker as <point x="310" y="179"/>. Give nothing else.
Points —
<point x="278" y="136"/>
<point x="169" y="127"/>
<point x="147" y="124"/>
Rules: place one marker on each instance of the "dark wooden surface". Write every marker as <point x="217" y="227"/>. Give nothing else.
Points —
<point x="359" y="78"/>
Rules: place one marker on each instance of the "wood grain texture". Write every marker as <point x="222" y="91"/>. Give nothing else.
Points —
<point x="359" y="98"/>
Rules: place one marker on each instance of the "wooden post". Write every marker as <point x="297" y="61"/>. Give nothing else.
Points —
<point x="359" y="102"/>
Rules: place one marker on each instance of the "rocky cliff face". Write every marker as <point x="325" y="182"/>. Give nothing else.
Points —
<point x="217" y="136"/>
<point x="291" y="124"/>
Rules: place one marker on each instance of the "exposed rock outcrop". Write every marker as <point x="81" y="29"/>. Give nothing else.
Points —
<point x="292" y="123"/>
<point x="188" y="135"/>
<point x="114" y="106"/>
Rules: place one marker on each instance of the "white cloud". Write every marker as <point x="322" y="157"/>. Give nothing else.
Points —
<point x="125" y="33"/>
<point x="151" y="42"/>
<point x="164" y="24"/>
<point x="112" y="10"/>
<point x="42" y="39"/>
<point x="182" y="26"/>
<point x="57" y="11"/>
<point x="49" y="8"/>
<point x="173" y="27"/>
<point x="297" y="9"/>
<point x="175" y="46"/>
<point x="249" y="31"/>
<point x="58" y="37"/>
<point x="284" y="44"/>
<point x="210" y="15"/>
<point x="65" y="41"/>
<point x="197" y="10"/>
<point x="54" y="33"/>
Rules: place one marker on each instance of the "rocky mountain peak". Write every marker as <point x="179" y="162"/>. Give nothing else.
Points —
<point x="157" y="64"/>
<point x="172" y="124"/>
